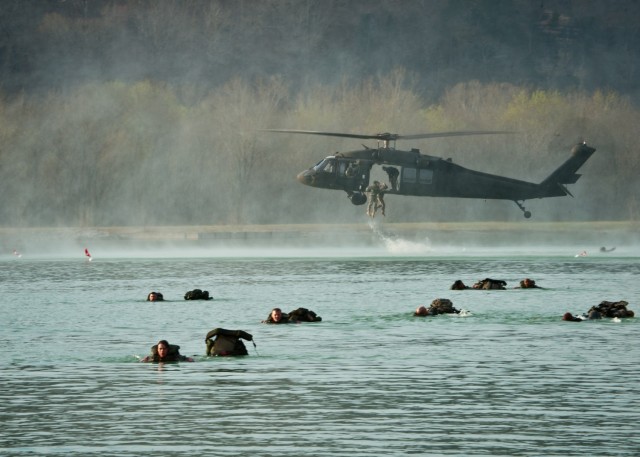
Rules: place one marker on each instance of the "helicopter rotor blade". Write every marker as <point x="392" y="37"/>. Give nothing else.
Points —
<point x="393" y="136"/>
<point x="336" y="134"/>
<point x="449" y="134"/>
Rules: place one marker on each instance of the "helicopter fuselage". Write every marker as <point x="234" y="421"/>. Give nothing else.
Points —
<point x="421" y="175"/>
<point x="425" y="175"/>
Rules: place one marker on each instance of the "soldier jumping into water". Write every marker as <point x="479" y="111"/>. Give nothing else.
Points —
<point x="376" y="198"/>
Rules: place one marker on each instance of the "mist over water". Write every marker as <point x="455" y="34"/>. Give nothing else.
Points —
<point x="372" y="238"/>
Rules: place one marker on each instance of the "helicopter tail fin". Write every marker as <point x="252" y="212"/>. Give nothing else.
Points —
<point x="566" y="173"/>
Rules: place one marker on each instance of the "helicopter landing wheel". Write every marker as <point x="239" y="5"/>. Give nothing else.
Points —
<point x="527" y="214"/>
<point x="357" y="198"/>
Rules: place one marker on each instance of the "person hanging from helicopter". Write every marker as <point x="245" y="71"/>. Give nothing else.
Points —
<point x="393" y="174"/>
<point x="372" y="191"/>
<point x="380" y="205"/>
<point x="376" y="198"/>
<point x="437" y="177"/>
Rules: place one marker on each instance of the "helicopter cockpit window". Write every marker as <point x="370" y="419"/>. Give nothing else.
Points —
<point x="326" y="165"/>
<point x="342" y="168"/>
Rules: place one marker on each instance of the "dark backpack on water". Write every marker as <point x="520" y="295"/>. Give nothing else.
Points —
<point x="489" y="283"/>
<point x="442" y="306"/>
<point x="223" y="342"/>
<point x="303" y="315"/>
<point x="197" y="294"/>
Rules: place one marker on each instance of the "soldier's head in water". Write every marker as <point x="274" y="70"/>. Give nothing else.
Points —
<point x="276" y="314"/>
<point x="422" y="311"/>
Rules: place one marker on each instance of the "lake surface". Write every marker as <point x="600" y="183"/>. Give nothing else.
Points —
<point x="508" y="377"/>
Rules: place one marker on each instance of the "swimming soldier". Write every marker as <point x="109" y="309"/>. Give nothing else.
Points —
<point x="438" y="306"/>
<point x="459" y="285"/>
<point x="303" y="315"/>
<point x="296" y="316"/>
<point x="165" y="352"/>
<point x="527" y="283"/>
<point x="155" y="296"/>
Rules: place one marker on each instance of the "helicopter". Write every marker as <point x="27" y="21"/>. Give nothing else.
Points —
<point x="425" y="175"/>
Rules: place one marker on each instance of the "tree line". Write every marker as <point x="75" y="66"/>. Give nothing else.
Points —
<point x="554" y="44"/>
<point x="151" y="153"/>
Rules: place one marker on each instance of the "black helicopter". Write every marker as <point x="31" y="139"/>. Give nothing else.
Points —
<point x="425" y="175"/>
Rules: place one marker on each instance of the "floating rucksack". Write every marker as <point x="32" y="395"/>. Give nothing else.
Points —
<point x="303" y="315"/>
<point x="223" y="342"/>
<point x="197" y="294"/>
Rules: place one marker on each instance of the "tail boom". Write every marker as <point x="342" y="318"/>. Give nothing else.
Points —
<point x="566" y="173"/>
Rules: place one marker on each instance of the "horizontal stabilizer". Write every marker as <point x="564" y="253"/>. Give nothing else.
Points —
<point x="576" y="176"/>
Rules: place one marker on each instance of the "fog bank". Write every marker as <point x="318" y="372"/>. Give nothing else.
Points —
<point x="360" y="240"/>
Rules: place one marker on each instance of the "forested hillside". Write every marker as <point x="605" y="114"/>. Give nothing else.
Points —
<point x="148" y="112"/>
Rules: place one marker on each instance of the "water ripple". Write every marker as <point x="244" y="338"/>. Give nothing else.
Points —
<point x="510" y="378"/>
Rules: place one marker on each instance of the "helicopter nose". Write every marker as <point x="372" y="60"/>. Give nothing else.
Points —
<point x="306" y="178"/>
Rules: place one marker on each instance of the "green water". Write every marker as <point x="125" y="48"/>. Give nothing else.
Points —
<point x="507" y="378"/>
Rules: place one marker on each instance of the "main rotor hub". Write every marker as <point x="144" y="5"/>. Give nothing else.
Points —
<point x="386" y="138"/>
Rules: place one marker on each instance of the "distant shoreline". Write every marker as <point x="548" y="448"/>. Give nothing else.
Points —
<point x="402" y="226"/>
<point x="599" y="232"/>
